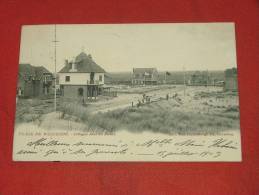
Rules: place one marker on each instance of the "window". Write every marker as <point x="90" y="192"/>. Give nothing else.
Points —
<point x="80" y="92"/>
<point x="92" y="76"/>
<point x="100" y="78"/>
<point x="67" y="78"/>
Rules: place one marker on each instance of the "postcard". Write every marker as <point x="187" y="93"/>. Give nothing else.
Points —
<point x="161" y="92"/>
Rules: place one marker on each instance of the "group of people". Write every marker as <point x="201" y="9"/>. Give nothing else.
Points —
<point x="147" y="99"/>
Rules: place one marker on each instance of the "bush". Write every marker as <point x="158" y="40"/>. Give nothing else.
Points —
<point x="162" y="121"/>
<point x="153" y="119"/>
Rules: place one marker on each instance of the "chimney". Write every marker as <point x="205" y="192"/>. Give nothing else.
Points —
<point x="73" y="68"/>
<point x="66" y="63"/>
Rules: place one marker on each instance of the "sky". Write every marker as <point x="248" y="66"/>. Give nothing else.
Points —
<point x="122" y="47"/>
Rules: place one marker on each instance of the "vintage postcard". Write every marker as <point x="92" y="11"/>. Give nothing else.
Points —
<point x="127" y="92"/>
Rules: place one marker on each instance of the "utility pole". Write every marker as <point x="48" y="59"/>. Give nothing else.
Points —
<point x="165" y="78"/>
<point x="208" y="80"/>
<point x="184" y="79"/>
<point x="55" y="62"/>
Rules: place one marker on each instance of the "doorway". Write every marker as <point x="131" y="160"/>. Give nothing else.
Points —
<point x="80" y="92"/>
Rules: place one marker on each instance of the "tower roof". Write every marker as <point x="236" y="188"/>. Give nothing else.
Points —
<point x="84" y="63"/>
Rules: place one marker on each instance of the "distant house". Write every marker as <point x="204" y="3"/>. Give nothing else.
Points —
<point x="199" y="78"/>
<point x="145" y="76"/>
<point x="230" y="80"/>
<point x="81" y="78"/>
<point x="33" y="81"/>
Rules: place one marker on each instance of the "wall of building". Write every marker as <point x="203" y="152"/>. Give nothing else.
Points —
<point x="230" y="84"/>
<point x="72" y="91"/>
<point x="79" y="78"/>
<point x="80" y="91"/>
<point x="37" y="88"/>
<point x="75" y="78"/>
<point x="230" y="80"/>
<point x="144" y="81"/>
<point x="30" y="89"/>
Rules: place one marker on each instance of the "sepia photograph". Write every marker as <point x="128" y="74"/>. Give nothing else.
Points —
<point x="127" y="92"/>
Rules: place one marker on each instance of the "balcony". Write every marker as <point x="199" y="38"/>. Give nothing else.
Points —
<point x="93" y="82"/>
<point x="47" y="79"/>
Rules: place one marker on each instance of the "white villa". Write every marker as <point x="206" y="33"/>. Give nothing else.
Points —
<point x="81" y="78"/>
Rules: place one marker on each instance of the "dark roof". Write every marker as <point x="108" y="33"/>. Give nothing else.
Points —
<point x="83" y="63"/>
<point x="28" y="71"/>
<point x="143" y="70"/>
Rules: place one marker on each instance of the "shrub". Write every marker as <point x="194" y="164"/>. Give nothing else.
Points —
<point x="154" y="118"/>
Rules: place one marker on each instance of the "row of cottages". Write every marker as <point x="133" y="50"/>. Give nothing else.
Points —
<point x="230" y="79"/>
<point x="145" y="76"/>
<point x="81" y="78"/>
<point x="34" y="81"/>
